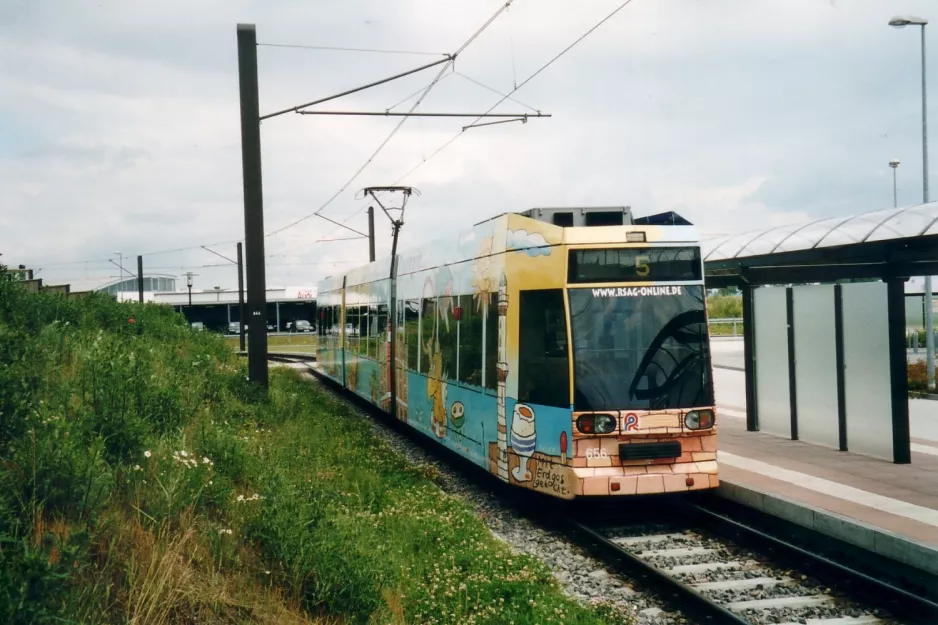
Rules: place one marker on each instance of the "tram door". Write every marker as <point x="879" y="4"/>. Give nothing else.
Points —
<point x="543" y="368"/>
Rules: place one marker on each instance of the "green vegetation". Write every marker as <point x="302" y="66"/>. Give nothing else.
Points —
<point x="725" y="307"/>
<point x="144" y="480"/>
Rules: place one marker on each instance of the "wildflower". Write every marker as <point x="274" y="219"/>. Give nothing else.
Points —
<point x="137" y="467"/>
<point x="205" y="460"/>
<point x="184" y="453"/>
<point x="240" y="497"/>
<point x="147" y="454"/>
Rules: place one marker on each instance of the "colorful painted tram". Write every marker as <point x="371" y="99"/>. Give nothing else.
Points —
<point x="562" y="356"/>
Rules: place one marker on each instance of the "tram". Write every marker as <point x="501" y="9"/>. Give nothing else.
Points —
<point x="565" y="350"/>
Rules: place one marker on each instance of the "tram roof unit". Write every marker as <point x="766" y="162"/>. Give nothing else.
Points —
<point x="526" y="232"/>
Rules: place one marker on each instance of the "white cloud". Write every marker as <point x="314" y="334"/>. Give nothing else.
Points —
<point x="120" y="129"/>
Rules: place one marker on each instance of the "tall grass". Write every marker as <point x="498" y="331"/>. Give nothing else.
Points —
<point x="144" y="480"/>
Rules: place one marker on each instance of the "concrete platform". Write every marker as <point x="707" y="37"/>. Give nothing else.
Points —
<point x="889" y="509"/>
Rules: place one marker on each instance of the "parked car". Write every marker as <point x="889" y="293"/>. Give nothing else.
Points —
<point x="234" y="327"/>
<point x="301" y="326"/>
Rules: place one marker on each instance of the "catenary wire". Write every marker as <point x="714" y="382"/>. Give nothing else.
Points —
<point x="358" y="172"/>
<point x="523" y="83"/>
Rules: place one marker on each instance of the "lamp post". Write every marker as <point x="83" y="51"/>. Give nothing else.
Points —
<point x="894" y="164"/>
<point x="120" y="285"/>
<point x="189" y="284"/>
<point x="902" y="22"/>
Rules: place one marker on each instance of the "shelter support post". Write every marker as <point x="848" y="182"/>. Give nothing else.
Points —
<point x="749" y="357"/>
<point x="792" y="379"/>
<point x="841" y="373"/>
<point x="898" y="371"/>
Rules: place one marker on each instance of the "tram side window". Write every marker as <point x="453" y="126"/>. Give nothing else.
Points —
<point x="380" y="331"/>
<point x="449" y="342"/>
<point x="352" y="324"/>
<point x="427" y="333"/>
<point x="491" y="341"/>
<point x="470" y="341"/>
<point x="543" y="367"/>
<point x="412" y="331"/>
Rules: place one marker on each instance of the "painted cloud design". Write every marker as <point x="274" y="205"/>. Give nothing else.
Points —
<point x="531" y="243"/>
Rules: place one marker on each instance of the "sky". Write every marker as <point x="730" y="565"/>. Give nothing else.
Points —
<point x="120" y="122"/>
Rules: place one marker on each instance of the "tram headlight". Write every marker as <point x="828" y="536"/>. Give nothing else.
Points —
<point x="699" y="419"/>
<point x="596" y="423"/>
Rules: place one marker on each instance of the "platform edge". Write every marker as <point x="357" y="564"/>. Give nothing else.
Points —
<point x="874" y="539"/>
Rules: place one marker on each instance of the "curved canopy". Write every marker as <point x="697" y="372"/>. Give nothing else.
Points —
<point x="880" y="225"/>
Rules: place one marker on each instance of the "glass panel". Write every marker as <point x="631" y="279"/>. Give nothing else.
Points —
<point x="816" y="365"/>
<point x="362" y="330"/>
<point x="646" y="264"/>
<point x="543" y="368"/>
<point x="765" y="243"/>
<point x="908" y="223"/>
<point x="427" y="318"/>
<point x="412" y="331"/>
<point x="640" y="351"/>
<point x="771" y="328"/>
<point x="352" y="325"/>
<point x="470" y="340"/>
<point x="381" y="331"/>
<point x="866" y="380"/>
<point x="809" y="235"/>
<point x="448" y="336"/>
<point x="491" y="341"/>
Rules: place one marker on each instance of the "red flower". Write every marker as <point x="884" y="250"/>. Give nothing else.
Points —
<point x="131" y="320"/>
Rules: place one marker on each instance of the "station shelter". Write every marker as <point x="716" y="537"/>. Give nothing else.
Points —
<point x="824" y="324"/>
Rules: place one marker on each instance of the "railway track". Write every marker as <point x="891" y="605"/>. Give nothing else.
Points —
<point x="719" y="570"/>
<point x="716" y="566"/>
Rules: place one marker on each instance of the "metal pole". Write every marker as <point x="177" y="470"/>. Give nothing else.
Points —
<point x="371" y="234"/>
<point x="253" y="203"/>
<point x="120" y="288"/>
<point x="895" y="198"/>
<point x="240" y="297"/>
<point x="392" y="315"/>
<point x="140" y="278"/>
<point x="929" y="321"/>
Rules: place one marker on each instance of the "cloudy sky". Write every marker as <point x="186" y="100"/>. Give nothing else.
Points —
<point x="120" y="128"/>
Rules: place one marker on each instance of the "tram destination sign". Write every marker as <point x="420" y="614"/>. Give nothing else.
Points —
<point x="637" y="291"/>
<point x="635" y="264"/>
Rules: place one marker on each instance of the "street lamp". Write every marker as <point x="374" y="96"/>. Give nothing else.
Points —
<point x="902" y="21"/>
<point x="189" y="284"/>
<point x="894" y="164"/>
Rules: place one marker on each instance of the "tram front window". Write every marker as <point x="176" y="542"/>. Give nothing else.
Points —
<point x="640" y="348"/>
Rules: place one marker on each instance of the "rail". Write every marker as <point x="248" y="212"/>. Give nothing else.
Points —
<point x="673" y="560"/>
<point x="734" y="321"/>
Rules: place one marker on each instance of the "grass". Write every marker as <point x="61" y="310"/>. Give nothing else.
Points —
<point x="144" y="480"/>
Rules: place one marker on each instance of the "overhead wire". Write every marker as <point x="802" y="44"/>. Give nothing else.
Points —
<point x="518" y="87"/>
<point x="394" y="131"/>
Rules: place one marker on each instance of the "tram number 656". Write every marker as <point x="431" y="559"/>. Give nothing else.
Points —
<point x="596" y="452"/>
